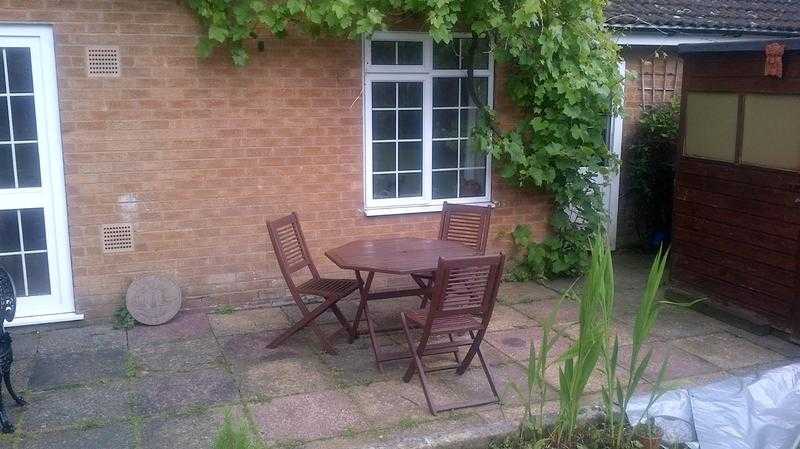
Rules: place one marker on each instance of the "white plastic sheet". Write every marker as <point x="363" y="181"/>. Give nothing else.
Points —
<point x="760" y="411"/>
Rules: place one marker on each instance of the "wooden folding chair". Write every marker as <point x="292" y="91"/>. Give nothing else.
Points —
<point x="293" y="255"/>
<point x="463" y="223"/>
<point x="464" y="294"/>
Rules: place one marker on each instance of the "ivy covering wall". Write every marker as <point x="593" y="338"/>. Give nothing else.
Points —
<point x="562" y="74"/>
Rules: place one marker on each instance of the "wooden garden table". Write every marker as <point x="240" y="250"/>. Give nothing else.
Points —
<point x="400" y="256"/>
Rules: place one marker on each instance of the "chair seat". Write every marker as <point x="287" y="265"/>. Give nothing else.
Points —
<point x="445" y="325"/>
<point x="328" y="288"/>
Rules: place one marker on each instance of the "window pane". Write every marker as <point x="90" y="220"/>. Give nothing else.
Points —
<point x="28" y="174"/>
<point x="19" y="70"/>
<point x="409" y="156"/>
<point x="409" y="53"/>
<point x="445" y="184"/>
<point x="410" y="95"/>
<point x="445" y="56"/>
<point x="5" y="130"/>
<point x="382" y="53"/>
<point x="445" y="92"/>
<point x="383" y="95"/>
<point x="33" y="229"/>
<point x="9" y="231"/>
<point x="771" y="135"/>
<point x="711" y="125"/>
<point x="383" y="186"/>
<point x="445" y="123"/>
<point x="470" y="156"/>
<point x="6" y="168"/>
<point x="383" y="125"/>
<point x="38" y="274"/>
<point x="473" y="183"/>
<point x="383" y="156"/>
<point x="2" y="76"/>
<point x="481" y="90"/>
<point x="469" y="117"/>
<point x="23" y="114"/>
<point x="409" y="185"/>
<point x="410" y="125"/>
<point x="445" y="154"/>
<point x="481" y="55"/>
<point x="13" y="264"/>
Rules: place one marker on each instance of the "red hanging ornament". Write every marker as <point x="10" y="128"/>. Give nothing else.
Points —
<point x="774" y="62"/>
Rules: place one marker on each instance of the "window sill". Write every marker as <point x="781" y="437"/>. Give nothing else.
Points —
<point x="400" y="210"/>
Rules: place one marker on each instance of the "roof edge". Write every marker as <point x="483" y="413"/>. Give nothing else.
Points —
<point x="792" y="44"/>
<point x="656" y="29"/>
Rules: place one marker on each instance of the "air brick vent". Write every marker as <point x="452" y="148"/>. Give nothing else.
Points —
<point x="102" y="62"/>
<point x="117" y="238"/>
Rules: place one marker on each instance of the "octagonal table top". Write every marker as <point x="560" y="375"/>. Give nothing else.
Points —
<point x="402" y="255"/>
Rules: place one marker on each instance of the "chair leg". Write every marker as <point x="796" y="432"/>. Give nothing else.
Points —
<point x="343" y="321"/>
<point x="306" y="321"/>
<point x="426" y="286"/>
<point x="474" y="347"/>
<point x="416" y="364"/>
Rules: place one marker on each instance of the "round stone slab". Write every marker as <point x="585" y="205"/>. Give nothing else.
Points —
<point x="153" y="299"/>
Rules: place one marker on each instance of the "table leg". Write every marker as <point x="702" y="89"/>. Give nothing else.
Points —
<point x="364" y="308"/>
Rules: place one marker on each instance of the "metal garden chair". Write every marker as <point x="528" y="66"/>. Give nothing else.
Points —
<point x="464" y="295"/>
<point x="293" y="255"/>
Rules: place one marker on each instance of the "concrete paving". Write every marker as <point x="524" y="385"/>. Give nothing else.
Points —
<point x="92" y="386"/>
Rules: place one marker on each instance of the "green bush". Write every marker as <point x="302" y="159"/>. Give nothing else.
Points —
<point x="652" y="169"/>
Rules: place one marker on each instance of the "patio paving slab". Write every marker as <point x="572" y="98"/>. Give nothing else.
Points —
<point x="522" y="292"/>
<point x="248" y="349"/>
<point x="193" y="431"/>
<point x="184" y="326"/>
<point x="80" y="339"/>
<point x="25" y="344"/>
<point x="307" y="416"/>
<point x="77" y="368"/>
<point x="181" y="355"/>
<point x="504" y="317"/>
<point x="472" y="385"/>
<point x="393" y="401"/>
<point x="247" y="321"/>
<point x="75" y="407"/>
<point x="540" y="311"/>
<point x="727" y="350"/>
<point x="117" y="436"/>
<point x="176" y="392"/>
<point x="516" y="343"/>
<point x="283" y="378"/>
<point x="675" y="322"/>
<point x="680" y="363"/>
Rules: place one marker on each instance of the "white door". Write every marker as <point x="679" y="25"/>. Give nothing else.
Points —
<point x="34" y="244"/>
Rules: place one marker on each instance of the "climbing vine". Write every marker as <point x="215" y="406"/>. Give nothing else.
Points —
<point x="562" y="75"/>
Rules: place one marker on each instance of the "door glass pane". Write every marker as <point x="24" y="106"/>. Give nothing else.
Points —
<point x="9" y="231"/>
<point x="470" y="156"/>
<point x="6" y="167"/>
<point x="410" y="95"/>
<point x="445" y="184"/>
<point x="23" y="116"/>
<point x="13" y="264"/>
<point x="2" y="74"/>
<point x="409" y="53"/>
<point x="445" y="123"/>
<point x="383" y="186"/>
<point x="33" y="236"/>
<point x="469" y="118"/>
<point x="382" y="52"/>
<point x="5" y="127"/>
<point x="481" y="55"/>
<point x="481" y="86"/>
<point x="445" y="92"/>
<point x="383" y="156"/>
<point x="38" y="275"/>
<point x="383" y="95"/>
<point x="472" y="183"/>
<point x="19" y="70"/>
<point x="409" y="156"/>
<point x="28" y="173"/>
<point x="409" y="124"/>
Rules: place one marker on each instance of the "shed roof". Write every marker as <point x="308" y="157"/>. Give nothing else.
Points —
<point x="735" y="16"/>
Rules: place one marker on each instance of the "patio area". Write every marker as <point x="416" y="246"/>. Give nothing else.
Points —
<point x="170" y="385"/>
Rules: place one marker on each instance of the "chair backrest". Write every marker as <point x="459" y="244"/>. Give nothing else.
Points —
<point x="466" y="286"/>
<point x="466" y="224"/>
<point x="290" y="247"/>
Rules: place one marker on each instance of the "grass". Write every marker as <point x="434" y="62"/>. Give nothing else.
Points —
<point x="123" y="319"/>
<point x="224" y="309"/>
<point x="236" y="435"/>
<point x="131" y="366"/>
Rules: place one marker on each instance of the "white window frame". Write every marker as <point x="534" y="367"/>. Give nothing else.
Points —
<point x="413" y="73"/>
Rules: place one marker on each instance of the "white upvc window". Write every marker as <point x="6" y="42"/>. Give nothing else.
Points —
<point x="418" y="116"/>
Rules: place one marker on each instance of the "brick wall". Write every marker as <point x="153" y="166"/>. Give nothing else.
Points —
<point x="198" y="154"/>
